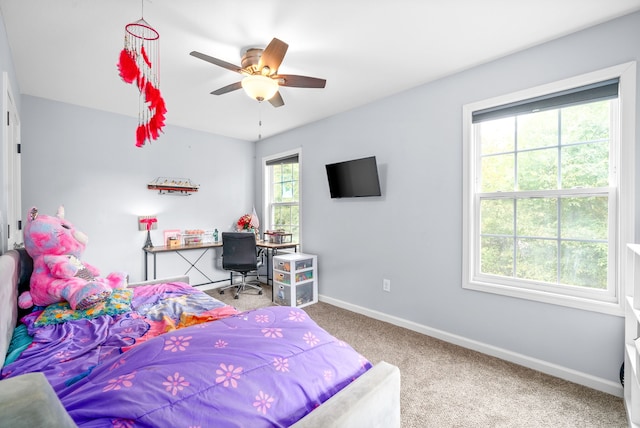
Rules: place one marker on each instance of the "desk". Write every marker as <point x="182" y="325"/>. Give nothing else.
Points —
<point x="270" y="248"/>
<point x="178" y="250"/>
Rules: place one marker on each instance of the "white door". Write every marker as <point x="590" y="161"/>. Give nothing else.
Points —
<point x="12" y="177"/>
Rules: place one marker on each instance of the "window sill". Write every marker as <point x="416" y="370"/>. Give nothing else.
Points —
<point x="609" y="308"/>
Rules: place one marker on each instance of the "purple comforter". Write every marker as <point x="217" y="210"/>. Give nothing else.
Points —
<point x="262" y="368"/>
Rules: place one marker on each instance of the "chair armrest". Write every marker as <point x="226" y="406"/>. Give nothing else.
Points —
<point x="28" y="401"/>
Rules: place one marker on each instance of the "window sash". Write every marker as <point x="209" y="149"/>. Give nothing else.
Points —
<point x="605" y="295"/>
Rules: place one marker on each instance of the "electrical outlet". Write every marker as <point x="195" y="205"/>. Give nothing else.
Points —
<point x="386" y="285"/>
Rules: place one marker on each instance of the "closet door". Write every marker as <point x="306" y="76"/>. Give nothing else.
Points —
<point x="11" y="177"/>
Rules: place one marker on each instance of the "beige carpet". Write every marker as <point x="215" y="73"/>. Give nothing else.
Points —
<point x="444" y="385"/>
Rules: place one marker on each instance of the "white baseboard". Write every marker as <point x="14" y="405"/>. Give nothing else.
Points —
<point x="561" y="372"/>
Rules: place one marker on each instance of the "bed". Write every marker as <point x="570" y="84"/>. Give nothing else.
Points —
<point x="166" y="354"/>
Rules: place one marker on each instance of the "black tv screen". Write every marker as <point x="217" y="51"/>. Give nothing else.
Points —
<point x="354" y="178"/>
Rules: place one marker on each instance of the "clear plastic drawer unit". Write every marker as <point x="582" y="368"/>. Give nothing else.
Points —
<point x="295" y="281"/>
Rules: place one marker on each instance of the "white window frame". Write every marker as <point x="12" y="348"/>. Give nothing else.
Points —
<point x="267" y="188"/>
<point x="622" y="195"/>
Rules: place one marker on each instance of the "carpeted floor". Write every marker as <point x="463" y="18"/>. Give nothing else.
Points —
<point x="444" y="385"/>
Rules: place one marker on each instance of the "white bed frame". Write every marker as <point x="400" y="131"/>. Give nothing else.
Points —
<point x="372" y="400"/>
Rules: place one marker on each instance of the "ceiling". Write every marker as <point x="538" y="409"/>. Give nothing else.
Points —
<point x="67" y="50"/>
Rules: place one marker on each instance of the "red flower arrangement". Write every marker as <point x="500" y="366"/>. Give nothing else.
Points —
<point x="244" y="222"/>
<point x="249" y="222"/>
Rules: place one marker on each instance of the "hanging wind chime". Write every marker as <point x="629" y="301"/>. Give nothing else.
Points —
<point x="139" y="64"/>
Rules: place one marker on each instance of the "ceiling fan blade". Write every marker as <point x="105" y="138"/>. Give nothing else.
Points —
<point x="228" y="88"/>
<point x="216" y="61"/>
<point x="276" y="100"/>
<point x="294" y="81"/>
<point x="272" y="55"/>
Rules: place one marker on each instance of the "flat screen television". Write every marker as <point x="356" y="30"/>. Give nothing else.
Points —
<point x="354" y="178"/>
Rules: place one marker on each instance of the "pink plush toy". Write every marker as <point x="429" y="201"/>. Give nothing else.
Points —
<point x="56" y="247"/>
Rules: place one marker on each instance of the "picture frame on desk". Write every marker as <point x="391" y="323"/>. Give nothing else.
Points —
<point x="171" y="233"/>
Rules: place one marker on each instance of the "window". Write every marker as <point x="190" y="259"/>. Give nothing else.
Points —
<point x="543" y="194"/>
<point x="282" y="193"/>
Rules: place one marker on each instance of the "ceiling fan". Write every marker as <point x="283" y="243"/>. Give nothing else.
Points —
<point x="260" y="68"/>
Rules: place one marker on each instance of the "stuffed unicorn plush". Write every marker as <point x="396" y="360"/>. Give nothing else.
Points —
<point x="58" y="275"/>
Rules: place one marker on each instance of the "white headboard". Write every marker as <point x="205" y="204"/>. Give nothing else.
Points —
<point x="9" y="277"/>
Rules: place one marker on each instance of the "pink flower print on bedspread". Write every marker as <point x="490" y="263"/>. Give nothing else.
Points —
<point x="275" y="333"/>
<point x="310" y="339"/>
<point x="327" y="375"/>
<point x="297" y="316"/>
<point x="263" y="402"/>
<point x="177" y="343"/>
<point x="281" y="364"/>
<point x="117" y="364"/>
<point x="123" y="423"/>
<point x="175" y="383"/>
<point x="228" y="375"/>
<point x="122" y="381"/>
<point x="262" y="318"/>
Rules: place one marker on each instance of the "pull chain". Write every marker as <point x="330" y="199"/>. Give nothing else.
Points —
<point x="259" y="120"/>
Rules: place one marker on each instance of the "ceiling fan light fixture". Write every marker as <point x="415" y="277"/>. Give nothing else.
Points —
<point x="258" y="87"/>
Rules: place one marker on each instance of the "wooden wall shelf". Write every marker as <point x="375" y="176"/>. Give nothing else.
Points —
<point x="171" y="185"/>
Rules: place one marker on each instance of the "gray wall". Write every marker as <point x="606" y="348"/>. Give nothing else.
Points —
<point x="87" y="161"/>
<point x="412" y="234"/>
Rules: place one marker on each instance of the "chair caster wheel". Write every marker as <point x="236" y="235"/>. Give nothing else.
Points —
<point x="221" y="292"/>
<point x="236" y="296"/>
<point x="260" y="292"/>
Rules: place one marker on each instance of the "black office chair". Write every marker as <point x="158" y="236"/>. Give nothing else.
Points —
<point x="239" y="255"/>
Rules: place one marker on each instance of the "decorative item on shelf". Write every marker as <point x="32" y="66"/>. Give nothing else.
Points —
<point x="172" y="238"/>
<point x="193" y="236"/>
<point x="139" y="64"/>
<point x="207" y="237"/>
<point x="173" y="242"/>
<point x="177" y="186"/>
<point x="148" y="222"/>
